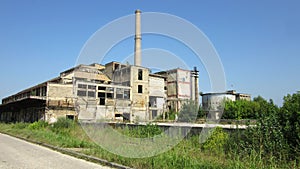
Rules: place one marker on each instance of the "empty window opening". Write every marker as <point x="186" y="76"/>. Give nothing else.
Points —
<point x="109" y="95"/>
<point x="101" y="88"/>
<point x="118" y="115"/>
<point x="117" y="66"/>
<point x="140" y="88"/>
<point x="101" y="95"/>
<point x="102" y="101"/>
<point x="140" y="74"/>
<point x="71" y="117"/>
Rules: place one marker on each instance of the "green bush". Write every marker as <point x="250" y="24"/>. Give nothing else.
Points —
<point x="63" y="123"/>
<point x="188" y="112"/>
<point x="38" y="125"/>
<point x="216" y="141"/>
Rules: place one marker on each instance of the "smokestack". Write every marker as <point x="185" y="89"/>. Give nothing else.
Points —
<point x="195" y="75"/>
<point x="138" y="39"/>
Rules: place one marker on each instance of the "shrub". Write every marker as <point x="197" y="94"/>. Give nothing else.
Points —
<point x="63" y="123"/>
<point x="216" y="141"/>
<point x="188" y="112"/>
<point x="38" y="125"/>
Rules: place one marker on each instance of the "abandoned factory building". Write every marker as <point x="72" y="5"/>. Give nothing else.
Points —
<point x="111" y="92"/>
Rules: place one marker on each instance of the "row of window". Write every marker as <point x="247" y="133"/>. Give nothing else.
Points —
<point x="105" y="92"/>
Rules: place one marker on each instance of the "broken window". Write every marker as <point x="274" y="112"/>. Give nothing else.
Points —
<point x="119" y="94"/>
<point x="101" y="95"/>
<point x="154" y="113"/>
<point x="81" y="93"/>
<point x="91" y="94"/>
<point x="116" y="66"/>
<point x="82" y="86"/>
<point x="71" y="117"/>
<point x="140" y="74"/>
<point x="102" y="101"/>
<point x="152" y="101"/>
<point x="140" y="88"/>
<point x="118" y="115"/>
<point x="91" y="87"/>
<point x="38" y="92"/>
<point x="126" y="83"/>
<point x="109" y="95"/>
<point x="126" y="94"/>
<point x="44" y="91"/>
<point x="101" y="88"/>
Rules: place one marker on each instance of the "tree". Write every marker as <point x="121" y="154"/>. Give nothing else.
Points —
<point x="240" y="109"/>
<point x="188" y="112"/>
<point x="290" y="120"/>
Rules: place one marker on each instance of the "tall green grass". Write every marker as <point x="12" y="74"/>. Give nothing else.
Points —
<point x="222" y="150"/>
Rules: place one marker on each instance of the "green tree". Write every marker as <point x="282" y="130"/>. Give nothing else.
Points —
<point x="290" y="120"/>
<point x="188" y="112"/>
<point x="240" y="109"/>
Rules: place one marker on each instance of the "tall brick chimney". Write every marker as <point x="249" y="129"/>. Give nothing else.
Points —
<point x="138" y="39"/>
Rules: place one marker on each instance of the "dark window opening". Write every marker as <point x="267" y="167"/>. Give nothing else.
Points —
<point x="126" y="116"/>
<point x="71" y="117"/>
<point x="109" y="95"/>
<point x="101" y="95"/>
<point x="38" y="92"/>
<point x="140" y="74"/>
<point x="140" y="88"/>
<point x="102" y="101"/>
<point x="44" y="91"/>
<point x="101" y="88"/>
<point x="117" y="66"/>
<point x="118" y="115"/>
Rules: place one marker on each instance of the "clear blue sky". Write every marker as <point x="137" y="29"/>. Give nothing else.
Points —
<point x="258" y="41"/>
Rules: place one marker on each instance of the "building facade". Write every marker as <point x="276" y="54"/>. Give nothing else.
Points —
<point x="212" y="102"/>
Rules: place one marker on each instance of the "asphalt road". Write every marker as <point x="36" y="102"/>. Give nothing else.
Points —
<point x="19" y="154"/>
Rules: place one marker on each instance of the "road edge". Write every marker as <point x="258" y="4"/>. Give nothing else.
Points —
<point x="73" y="153"/>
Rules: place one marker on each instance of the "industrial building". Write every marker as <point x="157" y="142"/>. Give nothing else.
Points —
<point x="211" y="102"/>
<point x="110" y="92"/>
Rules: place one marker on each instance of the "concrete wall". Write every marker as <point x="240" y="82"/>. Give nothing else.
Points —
<point x="184" y="84"/>
<point x="213" y="101"/>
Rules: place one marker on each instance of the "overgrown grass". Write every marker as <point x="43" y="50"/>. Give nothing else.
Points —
<point x="189" y="153"/>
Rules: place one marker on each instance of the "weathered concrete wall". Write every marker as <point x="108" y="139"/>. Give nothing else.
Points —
<point x="156" y="86"/>
<point x="59" y="91"/>
<point x="212" y="102"/>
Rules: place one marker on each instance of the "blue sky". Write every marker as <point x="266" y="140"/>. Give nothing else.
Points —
<point x="257" y="41"/>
